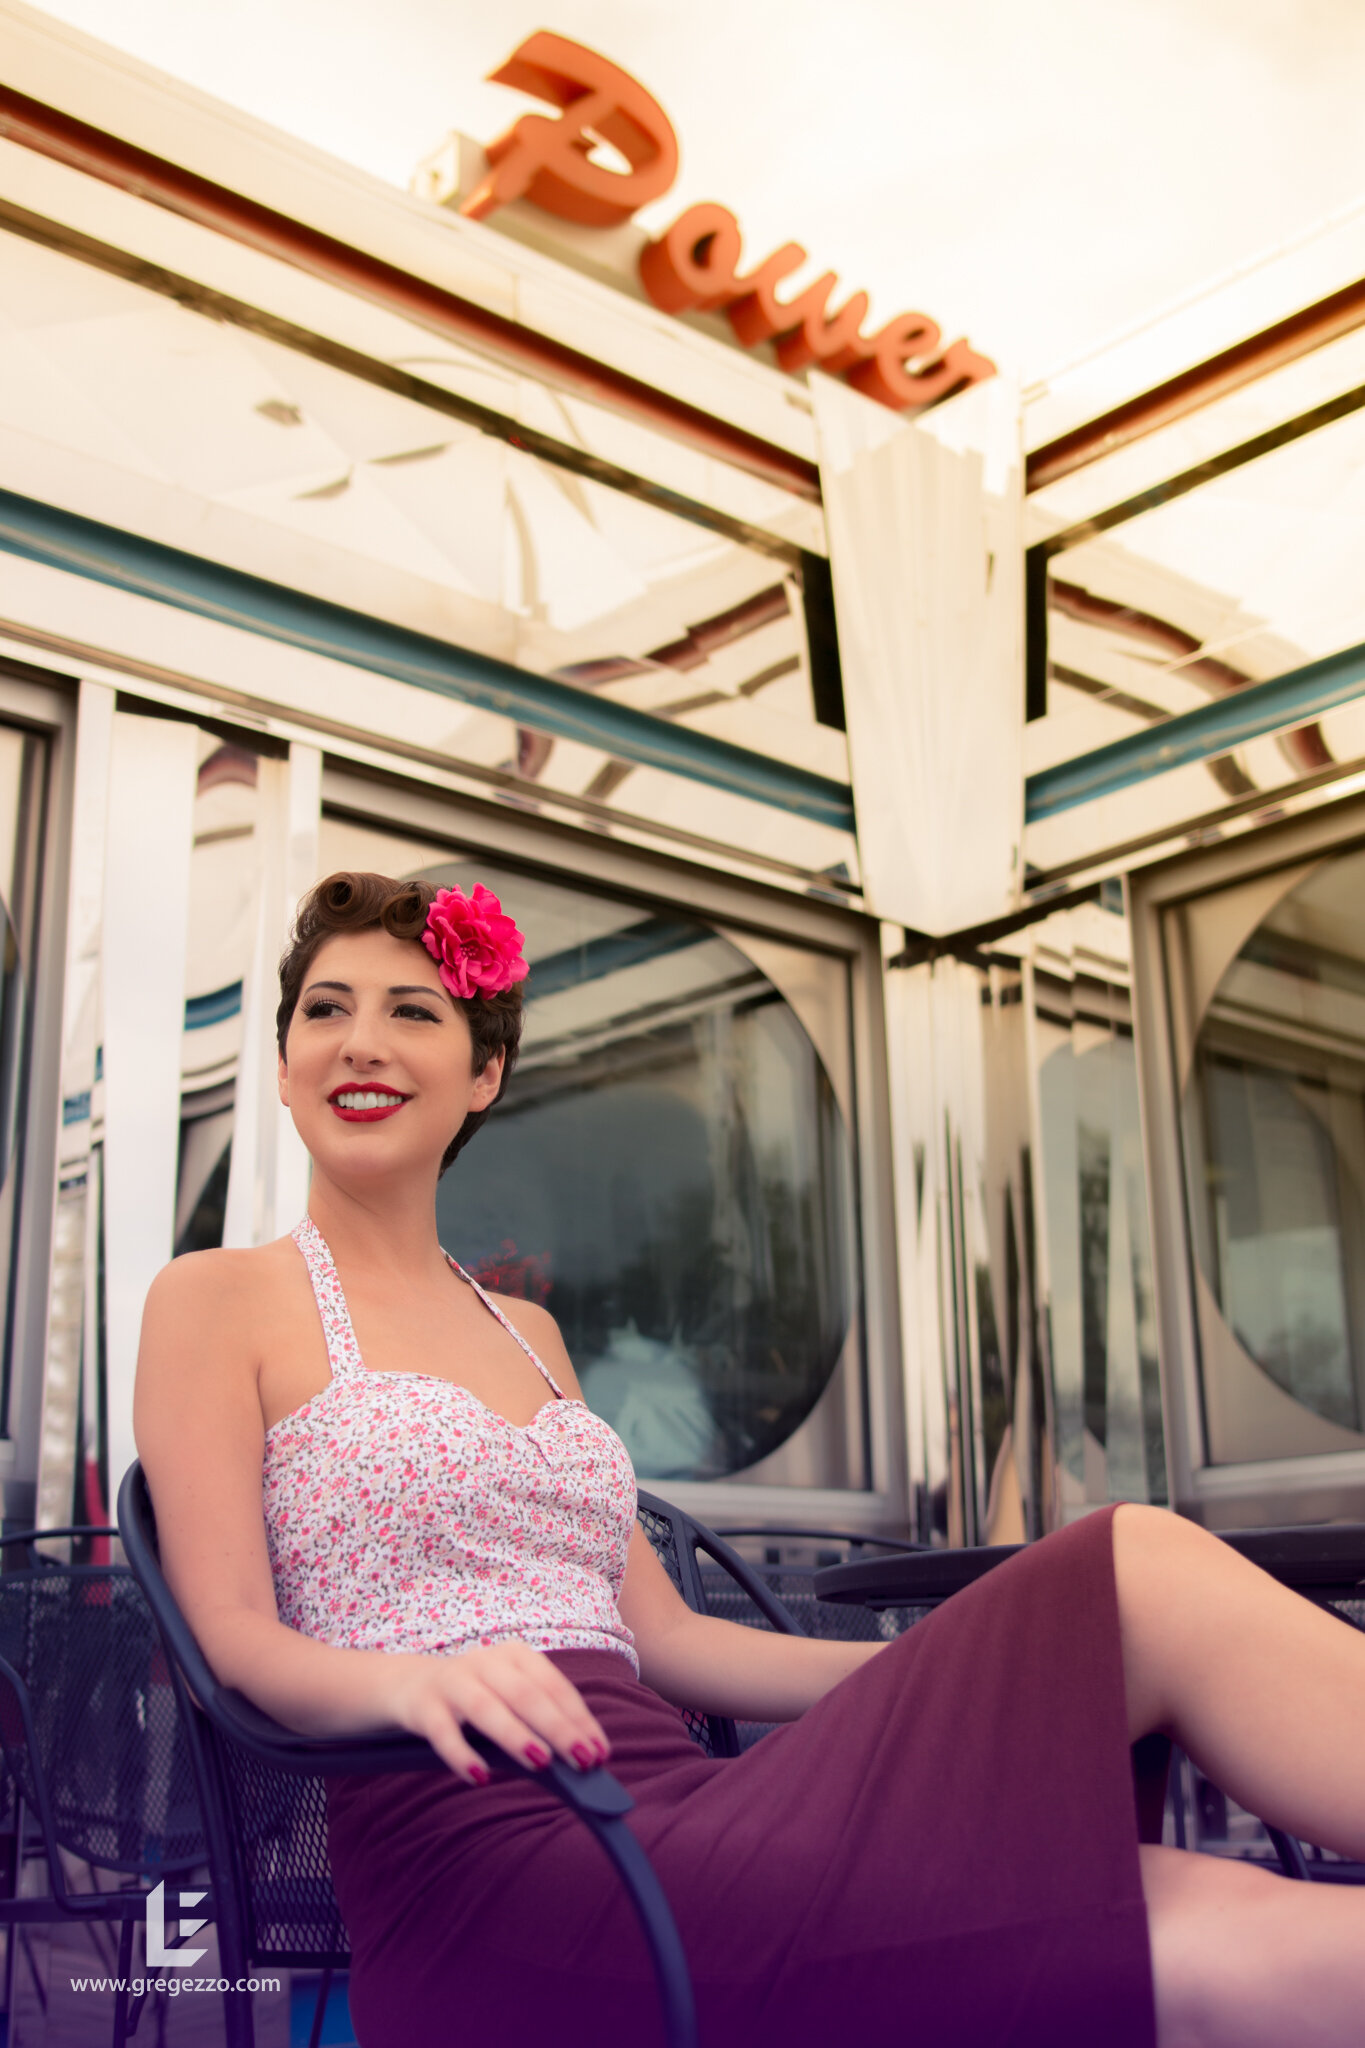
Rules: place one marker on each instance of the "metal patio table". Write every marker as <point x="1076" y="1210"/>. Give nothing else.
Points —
<point x="1325" y="1562"/>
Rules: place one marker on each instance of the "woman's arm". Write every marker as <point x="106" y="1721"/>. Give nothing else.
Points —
<point x="698" y="1660"/>
<point x="200" y="1436"/>
<point x="721" y="1667"/>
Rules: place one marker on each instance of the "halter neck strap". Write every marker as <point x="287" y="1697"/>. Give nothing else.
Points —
<point x="343" y="1352"/>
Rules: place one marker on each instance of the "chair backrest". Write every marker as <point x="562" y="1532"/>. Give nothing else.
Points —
<point x="96" y="1744"/>
<point x="793" y="1583"/>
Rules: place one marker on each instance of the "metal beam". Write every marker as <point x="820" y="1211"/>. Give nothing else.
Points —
<point x="1288" y="700"/>
<point x="100" y="155"/>
<point x="1194" y="388"/>
<point x="146" y="568"/>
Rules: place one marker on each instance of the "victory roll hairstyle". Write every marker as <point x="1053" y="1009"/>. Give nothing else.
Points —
<point x="347" y="903"/>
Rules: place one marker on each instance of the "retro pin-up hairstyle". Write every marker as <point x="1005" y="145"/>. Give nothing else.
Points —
<point x="477" y="950"/>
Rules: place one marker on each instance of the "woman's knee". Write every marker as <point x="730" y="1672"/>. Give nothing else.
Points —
<point x="1156" y="1538"/>
<point x="1207" y="1918"/>
<point x="1159" y="1561"/>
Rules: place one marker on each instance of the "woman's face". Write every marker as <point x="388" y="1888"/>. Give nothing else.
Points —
<point x="377" y="1072"/>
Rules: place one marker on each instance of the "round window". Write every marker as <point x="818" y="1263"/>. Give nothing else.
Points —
<point x="670" y="1174"/>
<point x="1275" y="1118"/>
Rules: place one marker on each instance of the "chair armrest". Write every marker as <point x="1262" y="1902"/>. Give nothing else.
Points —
<point x="321" y="1756"/>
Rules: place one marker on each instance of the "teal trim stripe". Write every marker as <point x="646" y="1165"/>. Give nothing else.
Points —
<point x="214" y="1008"/>
<point x="1291" y="699"/>
<point x="192" y="583"/>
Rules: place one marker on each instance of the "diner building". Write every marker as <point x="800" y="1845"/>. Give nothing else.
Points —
<point x="936" y="812"/>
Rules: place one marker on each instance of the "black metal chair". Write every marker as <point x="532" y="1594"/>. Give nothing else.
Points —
<point x="96" y="1766"/>
<point x="264" y="1798"/>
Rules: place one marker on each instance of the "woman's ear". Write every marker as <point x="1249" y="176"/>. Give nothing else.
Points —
<point x="284" y="1080"/>
<point x="487" y="1084"/>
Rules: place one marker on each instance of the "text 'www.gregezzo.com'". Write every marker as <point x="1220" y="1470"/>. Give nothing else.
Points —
<point x="173" y="1957"/>
<point x="171" y="1987"/>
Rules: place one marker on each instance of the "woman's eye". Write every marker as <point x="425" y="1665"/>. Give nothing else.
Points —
<point x="415" y="1010"/>
<point x="321" y="1007"/>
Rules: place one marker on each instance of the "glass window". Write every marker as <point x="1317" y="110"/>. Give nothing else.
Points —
<point x="1274" y="1115"/>
<point x="671" y="1172"/>
<point x="1106" y="1380"/>
<point x="223" y="889"/>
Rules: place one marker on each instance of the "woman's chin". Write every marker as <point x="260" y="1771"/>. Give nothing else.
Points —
<point x="363" y="1154"/>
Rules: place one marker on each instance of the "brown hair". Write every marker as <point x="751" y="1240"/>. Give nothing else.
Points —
<point x="347" y="903"/>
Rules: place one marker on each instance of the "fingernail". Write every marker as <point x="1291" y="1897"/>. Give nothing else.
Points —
<point x="481" y="1774"/>
<point x="583" y="1756"/>
<point x="538" y="1755"/>
<point x="601" y="1749"/>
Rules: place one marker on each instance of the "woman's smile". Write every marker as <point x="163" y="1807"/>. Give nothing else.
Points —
<point x="366" y="1105"/>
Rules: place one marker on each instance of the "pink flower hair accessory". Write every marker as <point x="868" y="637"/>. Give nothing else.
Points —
<point x="476" y="946"/>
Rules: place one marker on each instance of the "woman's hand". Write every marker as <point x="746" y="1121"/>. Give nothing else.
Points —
<point x="509" y="1692"/>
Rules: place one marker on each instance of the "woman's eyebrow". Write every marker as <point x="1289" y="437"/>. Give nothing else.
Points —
<point x="405" y="988"/>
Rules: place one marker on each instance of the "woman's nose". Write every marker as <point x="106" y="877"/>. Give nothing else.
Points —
<point x="364" y="1043"/>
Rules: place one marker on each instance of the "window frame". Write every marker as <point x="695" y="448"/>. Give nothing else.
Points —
<point x="655" y="881"/>
<point x="44" y="703"/>
<point x="1303" y="1487"/>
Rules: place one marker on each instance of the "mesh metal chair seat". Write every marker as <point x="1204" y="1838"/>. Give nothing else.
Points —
<point x="96" y="1763"/>
<point x="263" y="1792"/>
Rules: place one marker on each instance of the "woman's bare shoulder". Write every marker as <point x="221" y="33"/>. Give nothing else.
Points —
<point x="233" y="1287"/>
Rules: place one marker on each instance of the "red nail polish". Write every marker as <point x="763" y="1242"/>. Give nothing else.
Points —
<point x="537" y="1754"/>
<point x="481" y="1774"/>
<point x="601" y="1749"/>
<point x="584" y="1757"/>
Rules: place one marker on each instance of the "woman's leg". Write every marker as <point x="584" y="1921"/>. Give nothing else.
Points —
<point x="1245" y="1959"/>
<point x="1263" y="1690"/>
<point x="1267" y="1694"/>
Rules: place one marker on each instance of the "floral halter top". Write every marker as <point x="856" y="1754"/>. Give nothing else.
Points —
<point x="401" y="1513"/>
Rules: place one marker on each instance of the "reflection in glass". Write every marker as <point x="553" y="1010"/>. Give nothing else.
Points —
<point x="671" y="1175"/>
<point x="1275" y="1134"/>
<point x="224" y="881"/>
<point x="23" y="781"/>
<point x="1276" y="1226"/>
<point x="1106" y="1383"/>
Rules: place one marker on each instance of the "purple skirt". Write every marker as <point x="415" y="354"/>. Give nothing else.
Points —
<point x="942" y="1850"/>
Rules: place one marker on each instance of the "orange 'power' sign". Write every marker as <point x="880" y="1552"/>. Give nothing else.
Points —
<point x="546" y="160"/>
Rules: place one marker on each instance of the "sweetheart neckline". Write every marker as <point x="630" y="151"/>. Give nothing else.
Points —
<point x="436" y="1379"/>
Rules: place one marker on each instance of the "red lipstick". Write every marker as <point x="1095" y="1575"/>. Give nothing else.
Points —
<point x="366" y="1105"/>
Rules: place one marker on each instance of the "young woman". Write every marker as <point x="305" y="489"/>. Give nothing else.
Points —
<point x="383" y="1504"/>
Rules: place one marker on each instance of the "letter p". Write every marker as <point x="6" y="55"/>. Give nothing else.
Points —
<point x="547" y="161"/>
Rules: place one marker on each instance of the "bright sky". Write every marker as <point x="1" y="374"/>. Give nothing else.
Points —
<point x="1036" y="176"/>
